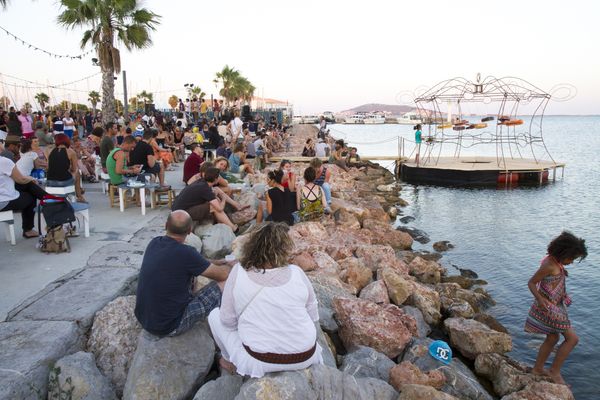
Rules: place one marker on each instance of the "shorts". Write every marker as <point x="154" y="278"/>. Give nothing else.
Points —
<point x="200" y="213"/>
<point x="155" y="170"/>
<point x="206" y="300"/>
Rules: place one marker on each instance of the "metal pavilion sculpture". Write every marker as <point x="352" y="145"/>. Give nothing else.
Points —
<point x="503" y="99"/>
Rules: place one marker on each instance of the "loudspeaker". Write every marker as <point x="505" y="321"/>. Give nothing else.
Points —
<point x="246" y="112"/>
<point x="149" y="108"/>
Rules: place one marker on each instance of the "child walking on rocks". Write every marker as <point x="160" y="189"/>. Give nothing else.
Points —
<point x="548" y="314"/>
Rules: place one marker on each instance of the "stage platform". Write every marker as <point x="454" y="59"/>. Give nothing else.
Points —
<point x="486" y="171"/>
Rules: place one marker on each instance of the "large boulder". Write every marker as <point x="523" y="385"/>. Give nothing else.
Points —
<point x="407" y="373"/>
<point x="423" y="392"/>
<point x="355" y="273"/>
<point x="417" y="234"/>
<point x="423" y="328"/>
<point x="454" y="291"/>
<point x="224" y="388"/>
<point x="507" y="375"/>
<point x="542" y="391"/>
<point x="460" y="380"/>
<point x="305" y="261"/>
<point x="247" y="198"/>
<point x="77" y="296"/>
<point x="326" y="289"/>
<point x="426" y="271"/>
<point x="385" y="328"/>
<point x="442" y="245"/>
<point x="216" y="240"/>
<point x="472" y="338"/>
<point x="365" y="362"/>
<point x="325" y="264"/>
<point x="454" y="308"/>
<point x="318" y="382"/>
<point x="376" y="292"/>
<point x="346" y="218"/>
<point x="390" y="236"/>
<point x="77" y="377"/>
<point x="27" y="351"/>
<point x="380" y="256"/>
<point x="194" y="241"/>
<point x="338" y="204"/>
<point x="428" y="301"/>
<point x="490" y="321"/>
<point x="399" y="289"/>
<point x="170" y="367"/>
<point x="113" y="339"/>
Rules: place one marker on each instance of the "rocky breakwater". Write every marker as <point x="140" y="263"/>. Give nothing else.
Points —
<point x="381" y="305"/>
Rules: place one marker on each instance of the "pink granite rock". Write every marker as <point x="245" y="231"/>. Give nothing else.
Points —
<point x="385" y="328"/>
<point x="428" y="301"/>
<point x="380" y="256"/>
<point x="542" y="391"/>
<point x="355" y="274"/>
<point x="305" y="261"/>
<point x="346" y="218"/>
<point x="376" y="292"/>
<point x="325" y="264"/>
<point x="472" y="338"/>
<point x="399" y="289"/>
<point x="426" y="271"/>
<point x="407" y="373"/>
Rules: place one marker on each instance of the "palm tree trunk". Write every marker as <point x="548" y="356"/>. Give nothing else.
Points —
<point x="108" y="95"/>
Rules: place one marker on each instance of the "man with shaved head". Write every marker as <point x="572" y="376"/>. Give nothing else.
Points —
<point x="166" y="304"/>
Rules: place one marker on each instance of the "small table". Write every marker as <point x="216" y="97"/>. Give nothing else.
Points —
<point x="141" y="189"/>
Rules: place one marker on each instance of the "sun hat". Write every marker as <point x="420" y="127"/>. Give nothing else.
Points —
<point x="441" y="351"/>
<point x="12" y="139"/>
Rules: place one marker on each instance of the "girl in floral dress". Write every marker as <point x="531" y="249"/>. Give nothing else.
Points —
<point x="548" y="314"/>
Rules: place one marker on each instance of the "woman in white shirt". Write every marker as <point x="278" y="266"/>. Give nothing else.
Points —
<point x="68" y="125"/>
<point x="266" y="322"/>
<point x="23" y="199"/>
<point x="29" y="159"/>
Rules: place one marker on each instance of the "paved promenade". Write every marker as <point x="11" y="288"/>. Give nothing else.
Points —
<point x="24" y="270"/>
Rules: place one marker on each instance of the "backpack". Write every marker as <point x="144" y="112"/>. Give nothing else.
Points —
<point x="55" y="241"/>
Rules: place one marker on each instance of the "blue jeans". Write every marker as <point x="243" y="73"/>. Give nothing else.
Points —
<point x="327" y="190"/>
<point x="66" y="183"/>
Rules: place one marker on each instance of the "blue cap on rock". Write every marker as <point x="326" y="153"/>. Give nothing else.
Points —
<point x="441" y="351"/>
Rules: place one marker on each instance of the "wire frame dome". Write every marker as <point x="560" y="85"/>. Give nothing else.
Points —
<point x="503" y="100"/>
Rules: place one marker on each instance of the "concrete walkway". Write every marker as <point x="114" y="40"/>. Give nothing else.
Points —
<point x="24" y="270"/>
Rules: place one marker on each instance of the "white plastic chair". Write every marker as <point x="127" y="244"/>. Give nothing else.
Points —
<point x="9" y="219"/>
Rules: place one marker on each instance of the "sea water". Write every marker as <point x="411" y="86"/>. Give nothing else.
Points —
<point x="503" y="234"/>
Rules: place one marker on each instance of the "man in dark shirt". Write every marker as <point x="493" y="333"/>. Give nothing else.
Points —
<point x="199" y="200"/>
<point x="192" y="164"/>
<point x="165" y="302"/>
<point x="143" y="154"/>
<point x="107" y="144"/>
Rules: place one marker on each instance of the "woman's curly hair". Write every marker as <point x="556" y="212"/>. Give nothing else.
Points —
<point x="268" y="245"/>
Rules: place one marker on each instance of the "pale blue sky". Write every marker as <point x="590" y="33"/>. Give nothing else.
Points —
<point x="330" y="55"/>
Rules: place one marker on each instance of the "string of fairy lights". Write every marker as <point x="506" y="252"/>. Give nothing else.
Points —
<point x="49" y="53"/>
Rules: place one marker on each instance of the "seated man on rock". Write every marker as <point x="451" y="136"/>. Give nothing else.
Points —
<point x="165" y="303"/>
<point x="200" y="201"/>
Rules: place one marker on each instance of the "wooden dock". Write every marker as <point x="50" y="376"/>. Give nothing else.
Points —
<point x="325" y="159"/>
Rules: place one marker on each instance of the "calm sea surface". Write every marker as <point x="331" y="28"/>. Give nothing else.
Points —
<point x="503" y="234"/>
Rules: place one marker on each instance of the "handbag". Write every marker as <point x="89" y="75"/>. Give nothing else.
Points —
<point x="56" y="210"/>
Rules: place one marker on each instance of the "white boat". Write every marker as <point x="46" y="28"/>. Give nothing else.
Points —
<point x="410" y="118"/>
<point x="310" y="119"/>
<point x="355" y="119"/>
<point x="375" y="118"/>
<point x="329" y="117"/>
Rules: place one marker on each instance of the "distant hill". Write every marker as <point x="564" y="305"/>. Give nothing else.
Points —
<point x="386" y="108"/>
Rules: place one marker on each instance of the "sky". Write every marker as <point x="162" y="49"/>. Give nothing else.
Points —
<point x="324" y="55"/>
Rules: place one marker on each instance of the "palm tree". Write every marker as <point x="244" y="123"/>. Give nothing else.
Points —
<point x="196" y="91"/>
<point x="133" y="104"/>
<point x="145" y="97"/>
<point x="94" y="98"/>
<point x="226" y="77"/>
<point x="110" y="21"/>
<point x="43" y="99"/>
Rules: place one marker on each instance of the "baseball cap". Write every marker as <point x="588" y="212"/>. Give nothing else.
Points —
<point x="441" y="351"/>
